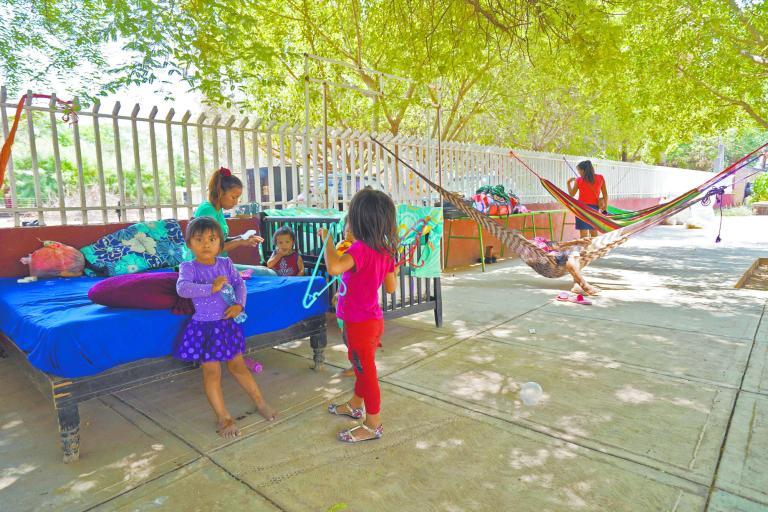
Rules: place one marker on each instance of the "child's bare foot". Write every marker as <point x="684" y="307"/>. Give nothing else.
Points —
<point x="586" y="289"/>
<point x="227" y="428"/>
<point x="349" y="372"/>
<point x="266" y="411"/>
<point x="591" y="290"/>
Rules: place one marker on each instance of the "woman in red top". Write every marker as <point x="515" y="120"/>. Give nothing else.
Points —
<point x="368" y="264"/>
<point x="592" y="191"/>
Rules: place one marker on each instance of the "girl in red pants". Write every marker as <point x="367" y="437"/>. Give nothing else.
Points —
<point x="369" y="262"/>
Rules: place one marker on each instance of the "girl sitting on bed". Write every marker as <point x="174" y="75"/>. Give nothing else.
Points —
<point x="224" y="191"/>
<point x="212" y="336"/>
<point x="285" y="260"/>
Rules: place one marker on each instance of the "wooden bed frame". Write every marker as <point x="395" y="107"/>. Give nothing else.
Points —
<point x="66" y="394"/>
<point x="414" y="295"/>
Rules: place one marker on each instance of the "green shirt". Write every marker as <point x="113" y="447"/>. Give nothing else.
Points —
<point x="206" y="209"/>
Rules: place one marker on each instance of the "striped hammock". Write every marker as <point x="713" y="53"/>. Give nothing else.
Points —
<point x="580" y="252"/>
<point x="615" y="218"/>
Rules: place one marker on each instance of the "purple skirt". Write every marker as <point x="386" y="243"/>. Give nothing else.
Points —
<point x="207" y="342"/>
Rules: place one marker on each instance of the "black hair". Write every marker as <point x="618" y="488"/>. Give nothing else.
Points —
<point x="221" y="181"/>
<point x="200" y="225"/>
<point x="586" y="168"/>
<point x="373" y="220"/>
<point x="285" y="230"/>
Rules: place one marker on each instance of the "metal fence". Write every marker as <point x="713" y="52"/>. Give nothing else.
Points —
<point x="413" y="294"/>
<point x="138" y="163"/>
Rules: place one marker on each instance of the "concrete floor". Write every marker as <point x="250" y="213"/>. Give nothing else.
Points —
<point x="655" y="398"/>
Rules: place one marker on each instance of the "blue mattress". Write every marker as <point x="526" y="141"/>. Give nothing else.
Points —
<point x="65" y="334"/>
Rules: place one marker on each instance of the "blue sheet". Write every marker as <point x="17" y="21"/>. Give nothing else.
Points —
<point x="65" y="334"/>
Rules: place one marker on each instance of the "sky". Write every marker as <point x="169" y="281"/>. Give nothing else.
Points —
<point x="147" y="95"/>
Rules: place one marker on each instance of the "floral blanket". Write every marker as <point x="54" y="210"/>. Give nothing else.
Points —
<point x="137" y="248"/>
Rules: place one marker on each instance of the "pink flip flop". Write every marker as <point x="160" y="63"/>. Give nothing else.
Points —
<point x="579" y="299"/>
<point x="253" y="365"/>
<point x="564" y="297"/>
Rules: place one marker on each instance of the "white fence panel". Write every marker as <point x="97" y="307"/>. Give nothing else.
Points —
<point x="282" y="165"/>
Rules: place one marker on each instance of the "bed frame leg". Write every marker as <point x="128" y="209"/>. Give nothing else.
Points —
<point x="318" y="343"/>
<point x="69" y="432"/>
<point x="438" y="304"/>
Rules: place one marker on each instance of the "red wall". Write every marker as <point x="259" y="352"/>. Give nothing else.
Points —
<point x="16" y="243"/>
<point x="466" y="252"/>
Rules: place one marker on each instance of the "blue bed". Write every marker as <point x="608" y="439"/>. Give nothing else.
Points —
<point x="64" y="334"/>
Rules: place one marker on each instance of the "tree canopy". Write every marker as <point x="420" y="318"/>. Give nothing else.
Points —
<point x="631" y="79"/>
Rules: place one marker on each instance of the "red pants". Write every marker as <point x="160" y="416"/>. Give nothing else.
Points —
<point x="362" y="339"/>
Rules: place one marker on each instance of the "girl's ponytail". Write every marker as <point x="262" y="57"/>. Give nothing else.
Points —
<point x="221" y="181"/>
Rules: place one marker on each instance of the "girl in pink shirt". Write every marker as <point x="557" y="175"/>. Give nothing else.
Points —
<point x="368" y="263"/>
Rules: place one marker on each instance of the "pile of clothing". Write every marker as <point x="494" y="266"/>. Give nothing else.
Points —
<point x="495" y="201"/>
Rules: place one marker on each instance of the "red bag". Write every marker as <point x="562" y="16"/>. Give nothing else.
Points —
<point x="56" y="260"/>
<point x="499" y="210"/>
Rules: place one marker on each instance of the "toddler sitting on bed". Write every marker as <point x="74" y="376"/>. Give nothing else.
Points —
<point x="285" y="260"/>
<point x="212" y="336"/>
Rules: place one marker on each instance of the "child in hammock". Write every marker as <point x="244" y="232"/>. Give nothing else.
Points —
<point x="212" y="336"/>
<point x="285" y="260"/>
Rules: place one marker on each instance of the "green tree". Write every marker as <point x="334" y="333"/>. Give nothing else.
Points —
<point x="760" y="188"/>
<point x="628" y="79"/>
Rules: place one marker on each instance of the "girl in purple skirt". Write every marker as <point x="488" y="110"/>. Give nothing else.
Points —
<point x="211" y="336"/>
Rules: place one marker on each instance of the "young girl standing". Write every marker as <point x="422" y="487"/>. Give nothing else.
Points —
<point x="367" y="264"/>
<point x="592" y="191"/>
<point x="285" y="260"/>
<point x="212" y="336"/>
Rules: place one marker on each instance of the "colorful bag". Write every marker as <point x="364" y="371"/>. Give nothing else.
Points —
<point x="55" y="259"/>
<point x="499" y="210"/>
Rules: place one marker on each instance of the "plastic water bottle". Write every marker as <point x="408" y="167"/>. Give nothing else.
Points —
<point x="228" y="293"/>
<point x="530" y="393"/>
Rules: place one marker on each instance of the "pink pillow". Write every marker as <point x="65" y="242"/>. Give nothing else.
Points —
<point x="154" y="290"/>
